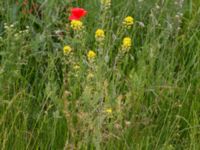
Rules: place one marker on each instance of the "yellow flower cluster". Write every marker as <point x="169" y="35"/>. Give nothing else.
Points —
<point x="76" y="25"/>
<point x="91" y="55"/>
<point x="67" y="49"/>
<point x="127" y="43"/>
<point x="100" y="35"/>
<point x="128" y="21"/>
<point x="109" y="110"/>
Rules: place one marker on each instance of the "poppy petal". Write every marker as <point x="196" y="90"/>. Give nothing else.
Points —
<point x="74" y="17"/>
<point x="77" y="13"/>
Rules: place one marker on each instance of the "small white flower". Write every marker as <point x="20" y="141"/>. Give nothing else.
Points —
<point x="16" y="35"/>
<point x="157" y="6"/>
<point x="141" y="24"/>
<point x="12" y="25"/>
<point x="6" y="27"/>
<point x="26" y="31"/>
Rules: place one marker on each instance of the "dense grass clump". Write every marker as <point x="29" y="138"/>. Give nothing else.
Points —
<point x="124" y="76"/>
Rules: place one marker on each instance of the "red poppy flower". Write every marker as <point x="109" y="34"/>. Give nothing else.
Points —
<point x="77" y="13"/>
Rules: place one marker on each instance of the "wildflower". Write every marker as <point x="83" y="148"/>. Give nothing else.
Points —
<point x="99" y="35"/>
<point x="126" y="45"/>
<point x="6" y="26"/>
<point x="90" y="76"/>
<point x="9" y="27"/>
<point x="106" y="3"/>
<point x="77" y="13"/>
<point x="67" y="49"/>
<point x="26" y="31"/>
<point x="16" y="35"/>
<point x="141" y="24"/>
<point x="76" y="67"/>
<point x="109" y="110"/>
<point x="76" y="25"/>
<point x="91" y="55"/>
<point x="127" y="123"/>
<point x="128" y="21"/>
<point x="12" y="25"/>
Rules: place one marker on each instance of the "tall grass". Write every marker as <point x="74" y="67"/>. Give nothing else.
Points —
<point x="153" y="91"/>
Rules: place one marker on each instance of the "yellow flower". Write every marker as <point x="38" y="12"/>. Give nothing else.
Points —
<point x="90" y="76"/>
<point x="128" y="21"/>
<point x="109" y="110"/>
<point x="67" y="49"/>
<point x="127" y="43"/>
<point x="99" y="35"/>
<point x="91" y="55"/>
<point x="76" y="67"/>
<point x="76" y="25"/>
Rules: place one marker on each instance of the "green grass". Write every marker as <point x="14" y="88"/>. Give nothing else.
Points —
<point x="153" y="90"/>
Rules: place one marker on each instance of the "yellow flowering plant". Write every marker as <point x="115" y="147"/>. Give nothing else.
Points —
<point x="126" y="44"/>
<point x="99" y="35"/>
<point x="90" y="67"/>
<point x="67" y="50"/>
<point x="108" y="110"/>
<point x="76" y="25"/>
<point x="128" y="22"/>
<point x="91" y="55"/>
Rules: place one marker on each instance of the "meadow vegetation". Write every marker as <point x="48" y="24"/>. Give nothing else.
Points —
<point x="126" y="75"/>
